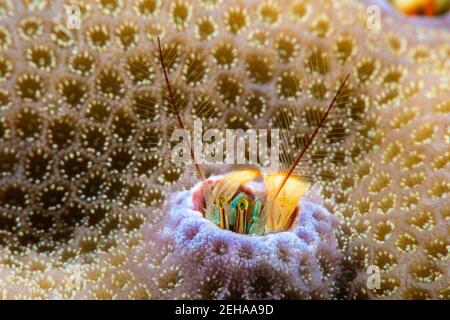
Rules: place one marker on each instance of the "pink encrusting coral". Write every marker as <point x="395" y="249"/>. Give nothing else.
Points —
<point x="197" y="259"/>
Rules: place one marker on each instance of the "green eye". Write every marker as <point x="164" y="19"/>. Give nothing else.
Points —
<point x="221" y="202"/>
<point x="243" y="204"/>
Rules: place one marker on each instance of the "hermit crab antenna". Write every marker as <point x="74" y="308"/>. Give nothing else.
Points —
<point x="311" y="138"/>
<point x="177" y="112"/>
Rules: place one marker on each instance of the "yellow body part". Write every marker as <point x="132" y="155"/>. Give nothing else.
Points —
<point x="426" y="7"/>
<point x="241" y="219"/>
<point x="226" y="188"/>
<point x="229" y="184"/>
<point x="280" y="211"/>
<point x="223" y="220"/>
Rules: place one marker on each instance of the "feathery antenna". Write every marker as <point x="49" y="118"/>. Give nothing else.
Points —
<point x="311" y="138"/>
<point x="177" y="112"/>
<point x="206" y="187"/>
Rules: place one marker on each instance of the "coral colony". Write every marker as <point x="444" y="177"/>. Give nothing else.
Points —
<point x="351" y="202"/>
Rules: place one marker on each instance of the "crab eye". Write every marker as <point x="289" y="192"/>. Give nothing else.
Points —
<point x="243" y="204"/>
<point x="422" y="7"/>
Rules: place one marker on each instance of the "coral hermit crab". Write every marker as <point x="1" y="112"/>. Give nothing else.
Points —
<point x="240" y="204"/>
<point x="231" y="206"/>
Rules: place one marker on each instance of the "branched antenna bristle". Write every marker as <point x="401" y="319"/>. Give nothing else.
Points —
<point x="311" y="138"/>
<point x="181" y="123"/>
